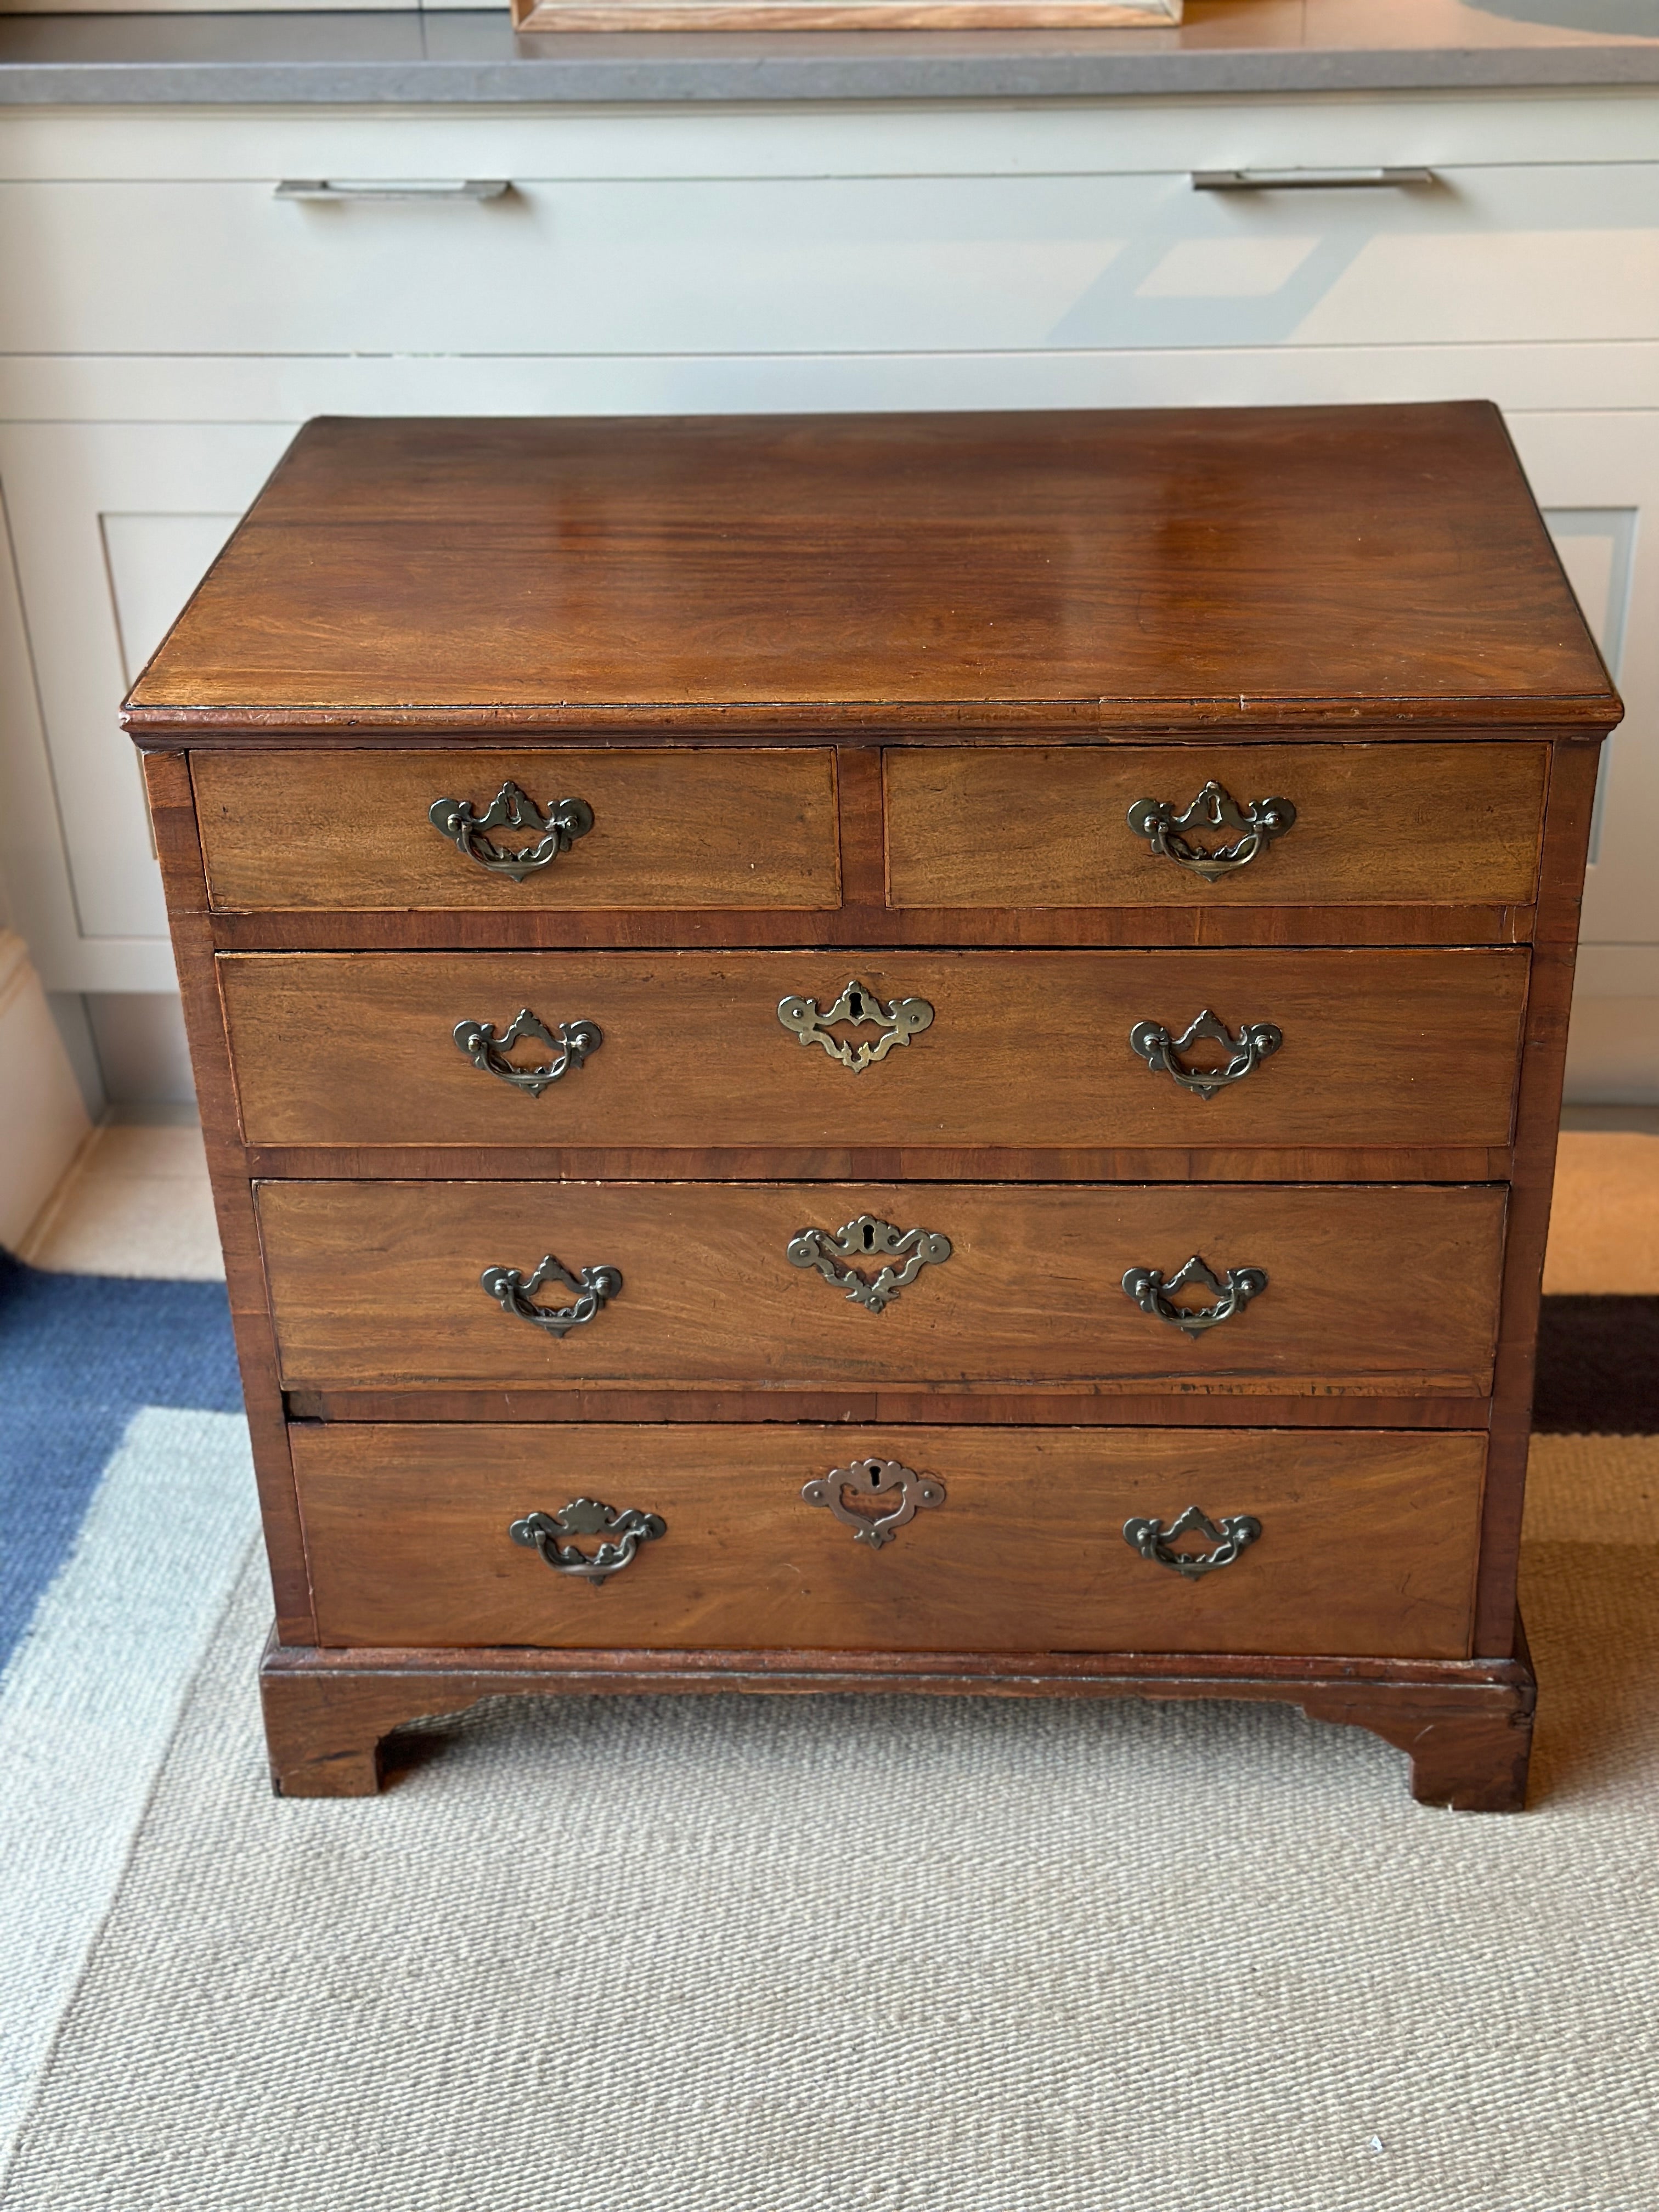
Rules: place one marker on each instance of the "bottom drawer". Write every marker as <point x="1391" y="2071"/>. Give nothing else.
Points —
<point x="995" y="1540"/>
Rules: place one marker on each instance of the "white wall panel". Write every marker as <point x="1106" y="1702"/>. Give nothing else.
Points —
<point x="112" y="525"/>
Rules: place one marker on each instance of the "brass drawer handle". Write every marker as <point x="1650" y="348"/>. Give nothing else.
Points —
<point x="557" y="830"/>
<point x="918" y="1248"/>
<point x="1255" y="827"/>
<point x="899" y="1022"/>
<point x="875" y="1478"/>
<point x="515" y="1293"/>
<point x="1258" y="1041"/>
<point x="623" y="1533"/>
<point x="1150" y="1290"/>
<point x="570" y="1043"/>
<point x="1153" y="1541"/>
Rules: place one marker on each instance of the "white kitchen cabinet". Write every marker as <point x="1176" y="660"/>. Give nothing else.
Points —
<point x="111" y="525"/>
<point x="1507" y="254"/>
<point x="165" y="322"/>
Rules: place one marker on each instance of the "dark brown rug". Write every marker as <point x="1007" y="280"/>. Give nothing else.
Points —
<point x="1598" y="1367"/>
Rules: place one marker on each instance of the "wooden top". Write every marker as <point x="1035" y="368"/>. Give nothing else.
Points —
<point x="1082" y="574"/>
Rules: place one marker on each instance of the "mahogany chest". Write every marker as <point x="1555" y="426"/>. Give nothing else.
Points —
<point x="892" y="1052"/>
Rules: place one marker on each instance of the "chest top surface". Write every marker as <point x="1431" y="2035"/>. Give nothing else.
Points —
<point x="1082" y="574"/>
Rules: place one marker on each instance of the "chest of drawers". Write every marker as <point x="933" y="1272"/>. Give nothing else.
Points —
<point x="885" y="1053"/>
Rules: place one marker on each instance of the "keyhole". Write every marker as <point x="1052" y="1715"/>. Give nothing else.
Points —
<point x="869" y="1237"/>
<point x="855" y="1006"/>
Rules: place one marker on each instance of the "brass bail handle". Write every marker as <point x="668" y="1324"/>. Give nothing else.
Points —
<point x="1151" y="1290"/>
<point x="1154" y="1541"/>
<point x="515" y="1293"/>
<point x="553" y="830"/>
<point x="1153" y="1042"/>
<point x="1252" y="828"/>
<point x="622" y="1535"/>
<point x="569" y="1043"/>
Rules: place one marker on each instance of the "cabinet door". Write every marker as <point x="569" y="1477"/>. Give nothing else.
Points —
<point x="1597" y="479"/>
<point x="112" y="527"/>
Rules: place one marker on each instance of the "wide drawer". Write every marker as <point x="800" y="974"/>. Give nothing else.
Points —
<point x="816" y="264"/>
<point x="1023" y="1049"/>
<point x="1375" y="1290"/>
<point x="1367" y="1539"/>
<point x="654" y="828"/>
<point x="1368" y="825"/>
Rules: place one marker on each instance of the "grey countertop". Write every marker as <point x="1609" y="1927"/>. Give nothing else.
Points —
<point x="1224" y="47"/>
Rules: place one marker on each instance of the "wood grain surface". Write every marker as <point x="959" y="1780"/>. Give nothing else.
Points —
<point x="167" y="777"/>
<point x="1538" y="1120"/>
<point x="844" y="15"/>
<point x="1048" y="826"/>
<point x="1466" y="1723"/>
<point x="1367" y="1544"/>
<point x="1161" y="1406"/>
<point x="704" y="828"/>
<point x="1103" y="569"/>
<point x="1384" y="1290"/>
<point x="1392" y="1047"/>
<point x="305" y="929"/>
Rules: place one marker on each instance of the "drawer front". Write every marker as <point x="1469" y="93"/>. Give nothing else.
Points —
<point x="1385" y="1290"/>
<point x="679" y="829"/>
<point x="1023" y="1048"/>
<point x="1367" y="1542"/>
<point x="1050" y="826"/>
<point x="831" y="265"/>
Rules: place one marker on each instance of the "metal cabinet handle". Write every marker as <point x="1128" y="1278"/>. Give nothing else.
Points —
<point x="321" y="188"/>
<point x="1310" y="180"/>
<point x="557" y="829"/>
<point x="1153" y="1541"/>
<point x="623" y="1533"/>
<point x="570" y="1043"/>
<point x="857" y="1004"/>
<point x="1151" y="1292"/>
<point x="1215" y="808"/>
<point x="916" y="1247"/>
<point x="1151" y="1042"/>
<point x="515" y="1293"/>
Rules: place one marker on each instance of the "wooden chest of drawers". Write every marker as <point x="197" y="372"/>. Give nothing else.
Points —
<point x="886" y="1053"/>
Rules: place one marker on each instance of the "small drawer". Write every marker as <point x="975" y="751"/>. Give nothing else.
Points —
<point x="779" y="1286"/>
<point x="1353" y="825"/>
<point x="996" y="1539"/>
<point x="600" y="828"/>
<point x="706" y="1051"/>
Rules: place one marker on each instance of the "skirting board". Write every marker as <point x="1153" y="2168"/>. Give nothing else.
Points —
<point x="44" y="1121"/>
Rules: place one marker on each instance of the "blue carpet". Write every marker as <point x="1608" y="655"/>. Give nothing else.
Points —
<point x="79" y="1355"/>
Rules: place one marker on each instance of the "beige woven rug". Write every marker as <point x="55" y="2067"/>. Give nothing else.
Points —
<point x="769" y="1955"/>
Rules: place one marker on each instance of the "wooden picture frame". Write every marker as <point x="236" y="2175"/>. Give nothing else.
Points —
<point x="845" y="14"/>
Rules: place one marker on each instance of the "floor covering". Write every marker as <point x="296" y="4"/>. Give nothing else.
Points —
<point x="79" y="1356"/>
